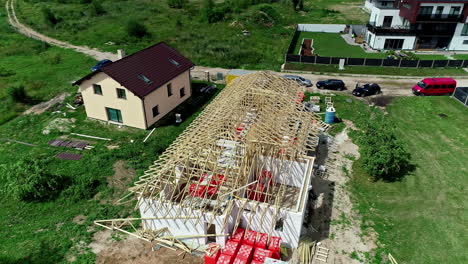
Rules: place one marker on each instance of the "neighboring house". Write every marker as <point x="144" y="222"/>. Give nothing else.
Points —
<point x="139" y="89"/>
<point x="418" y="24"/>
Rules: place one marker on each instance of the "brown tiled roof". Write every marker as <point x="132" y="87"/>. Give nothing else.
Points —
<point x="157" y="65"/>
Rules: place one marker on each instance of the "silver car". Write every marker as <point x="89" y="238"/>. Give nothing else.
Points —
<point x="299" y="79"/>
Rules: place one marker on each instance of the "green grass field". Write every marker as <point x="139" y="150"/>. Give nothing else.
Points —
<point x="421" y="219"/>
<point x="461" y="56"/>
<point x="217" y="44"/>
<point x="44" y="71"/>
<point x="320" y="68"/>
<point x="45" y="231"/>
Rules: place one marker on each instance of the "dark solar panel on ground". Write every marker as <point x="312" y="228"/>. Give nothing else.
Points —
<point x="68" y="156"/>
<point x="68" y="144"/>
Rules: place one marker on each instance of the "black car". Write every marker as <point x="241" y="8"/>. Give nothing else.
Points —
<point x="331" y="84"/>
<point x="366" y="89"/>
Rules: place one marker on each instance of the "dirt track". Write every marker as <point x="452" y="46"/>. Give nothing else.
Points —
<point x="29" y="32"/>
<point x="391" y="85"/>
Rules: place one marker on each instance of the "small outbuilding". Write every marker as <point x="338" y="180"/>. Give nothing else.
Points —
<point x="137" y="90"/>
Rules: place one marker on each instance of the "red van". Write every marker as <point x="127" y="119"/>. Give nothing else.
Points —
<point x="435" y="86"/>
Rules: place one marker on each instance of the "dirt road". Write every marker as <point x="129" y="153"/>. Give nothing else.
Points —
<point x="29" y="32"/>
<point x="391" y="85"/>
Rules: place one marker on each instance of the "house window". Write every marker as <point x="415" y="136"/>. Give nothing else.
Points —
<point x="454" y="10"/>
<point x="464" y="31"/>
<point x="97" y="89"/>
<point x="169" y="90"/>
<point x="465" y="42"/>
<point x="182" y="92"/>
<point x="426" y="10"/>
<point x="155" y="110"/>
<point x="279" y="224"/>
<point x="121" y="93"/>
<point x="114" y="115"/>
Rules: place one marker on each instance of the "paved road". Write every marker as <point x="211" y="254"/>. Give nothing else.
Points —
<point x="391" y="85"/>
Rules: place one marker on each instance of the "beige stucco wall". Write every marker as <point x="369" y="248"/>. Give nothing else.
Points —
<point x="95" y="105"/>
<point x="166" y="104"/>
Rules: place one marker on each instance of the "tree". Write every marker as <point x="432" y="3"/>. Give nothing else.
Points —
<point x="136" y="29"/>
<point x="383" y="155"/>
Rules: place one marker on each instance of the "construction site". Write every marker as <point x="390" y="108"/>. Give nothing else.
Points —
<point x="239" y="178"/>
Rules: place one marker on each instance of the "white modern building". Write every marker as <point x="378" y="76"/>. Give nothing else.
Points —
<point x="417" y="24"/>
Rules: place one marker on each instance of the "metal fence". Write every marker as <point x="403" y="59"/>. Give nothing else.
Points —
<point x="291" y="57"/>
<point x="461" y="94"/>
<point x="376" y="62"/>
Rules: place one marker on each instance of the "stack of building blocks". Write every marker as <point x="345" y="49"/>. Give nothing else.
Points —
<point x="248" y="247"/>
<point x="261" y="241"/>
<point x="260" y="254"/>
<point x="238" y="235"/>
<point x="212" y="253"/>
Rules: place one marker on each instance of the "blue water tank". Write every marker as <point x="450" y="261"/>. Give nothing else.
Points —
<point x="330" y="115"/>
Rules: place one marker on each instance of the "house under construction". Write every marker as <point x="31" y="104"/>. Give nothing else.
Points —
<point x="246" y="161"/>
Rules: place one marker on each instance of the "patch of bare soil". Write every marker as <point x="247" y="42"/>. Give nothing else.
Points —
<point x="79" y="219"/>
<point x="381" y="100"/>
<point x="133" y="250"/>
<point x="122" y="176"/>
<point x="333" y="222"/>
<point x="44" y="106"/>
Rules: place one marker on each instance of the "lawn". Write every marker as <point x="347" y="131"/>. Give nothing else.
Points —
<point x="321" y="68"/>
<point x="44" y="71"/>
<point x="333" y="45"/>
<point x="461" y="56"/>
<point x="422" y="218"/>
<point x="220" y="44"/>
<point x="44" y="230"/>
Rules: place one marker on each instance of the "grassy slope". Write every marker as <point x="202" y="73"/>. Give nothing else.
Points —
<point x="44" y="71"/>
<point x="218" y="44"/>
<point x="420" y="219"/>
<point x="45" y="231"/>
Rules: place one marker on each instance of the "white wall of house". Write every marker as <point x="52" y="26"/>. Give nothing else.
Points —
<point x="457" y="42"/>
<point x="95" y="104"/>
<point x="377" y="16"/>
<point x="378" y="42"/>
<point x="368" y="5"/>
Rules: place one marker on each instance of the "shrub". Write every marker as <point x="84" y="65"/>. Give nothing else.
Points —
<point x="97" y="9"/>
<point x="265" y="15"/>
<point x="49" y="17"/>
<point x="383" y="155"/>
<point x="4" y="72"/>
<point x="177" y="3"/>
<point x="136" y="29"/>
<point x="18" y="93"/>
<point x="28" y="181"/>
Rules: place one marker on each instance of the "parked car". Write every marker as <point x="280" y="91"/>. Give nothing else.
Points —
<point x="366" y="89"/>
<point x="435" y="86"/>
<point x="299" y="79"/>
<point x="331" y="84"/>
<point x="100" y="64"/>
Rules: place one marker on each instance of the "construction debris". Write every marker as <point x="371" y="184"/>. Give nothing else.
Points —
<point x="150" y="133"/>
<point x="87" y="136"/>
<point x="68" y="144"/>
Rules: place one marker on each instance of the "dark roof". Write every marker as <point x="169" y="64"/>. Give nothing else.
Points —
<point x="146" y="70"/>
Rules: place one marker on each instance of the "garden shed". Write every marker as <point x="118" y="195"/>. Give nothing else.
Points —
<point x="461" y="94"/>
